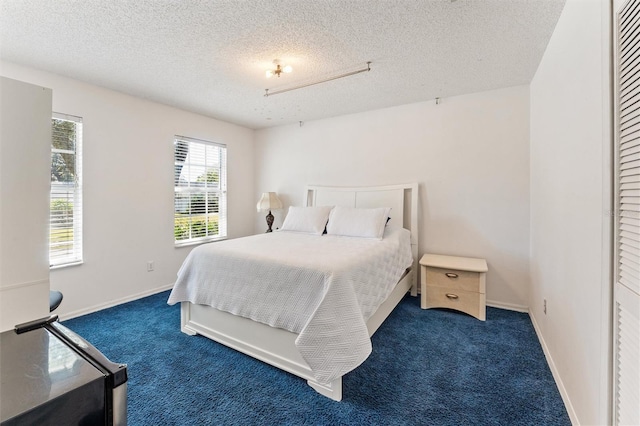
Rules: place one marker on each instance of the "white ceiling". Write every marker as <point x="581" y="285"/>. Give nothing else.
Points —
<point x="210" y="56"/>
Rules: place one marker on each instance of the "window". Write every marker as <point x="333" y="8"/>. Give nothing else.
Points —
<point x="200" y="197"/>
<point x="65" y="213"/>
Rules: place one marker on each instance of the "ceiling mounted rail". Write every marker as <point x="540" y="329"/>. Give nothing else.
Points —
<point x="267" y="93"/>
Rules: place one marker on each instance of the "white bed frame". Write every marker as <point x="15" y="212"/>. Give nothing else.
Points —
<point x="276" y="346"/>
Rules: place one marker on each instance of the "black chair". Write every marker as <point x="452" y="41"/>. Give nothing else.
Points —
<point x="55" y="298"/>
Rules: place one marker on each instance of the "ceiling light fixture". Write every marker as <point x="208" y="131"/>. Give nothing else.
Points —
<point x="267" y="93"/>
<point x="279" y="69"/>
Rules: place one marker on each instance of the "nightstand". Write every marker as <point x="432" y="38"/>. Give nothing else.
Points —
<point x="454" y="282"/>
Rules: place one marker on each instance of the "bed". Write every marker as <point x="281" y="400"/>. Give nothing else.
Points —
<point x="333" y="337"/>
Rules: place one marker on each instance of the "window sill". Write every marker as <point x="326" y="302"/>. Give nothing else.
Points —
<point x="64" y="265"/>
<point x="195" y="243"/>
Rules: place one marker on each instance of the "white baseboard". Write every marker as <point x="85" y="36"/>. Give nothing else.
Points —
<point x="508" y="306"/>
<point x="113" y="303"/>
<point x="554" y="371"/>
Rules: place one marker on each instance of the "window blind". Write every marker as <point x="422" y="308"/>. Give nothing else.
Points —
<point x="65" y="213"/>
<point x="626" y="357"/>
<point x="200" y="190"/>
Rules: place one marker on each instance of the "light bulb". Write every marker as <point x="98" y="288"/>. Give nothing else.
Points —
<point x="269" y="73"/>
<point x="287" y="68"/>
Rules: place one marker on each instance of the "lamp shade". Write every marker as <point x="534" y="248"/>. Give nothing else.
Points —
<point x="269" y="201"/>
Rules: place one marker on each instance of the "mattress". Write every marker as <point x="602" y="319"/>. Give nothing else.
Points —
<point x="324" y="288"/>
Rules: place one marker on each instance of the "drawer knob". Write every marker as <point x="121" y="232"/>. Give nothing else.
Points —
<point x="451" y="275"/>
<point x="452" y="296"/>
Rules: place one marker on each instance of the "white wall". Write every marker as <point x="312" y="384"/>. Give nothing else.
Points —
<point x="25" y="161"/>
<point x="470" y="155"/>
<point x="570" y="189"/>
<point x="128" y="189"/>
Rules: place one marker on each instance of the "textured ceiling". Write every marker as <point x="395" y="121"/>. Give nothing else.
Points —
<point x="210" y="56"/>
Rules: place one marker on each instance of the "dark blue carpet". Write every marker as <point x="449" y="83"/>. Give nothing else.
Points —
<point x="428" y="367"/>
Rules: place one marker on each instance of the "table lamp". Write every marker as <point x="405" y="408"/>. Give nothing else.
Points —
<point x="269" y="201"/>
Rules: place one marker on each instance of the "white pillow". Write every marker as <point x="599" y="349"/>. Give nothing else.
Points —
<point x="354" y="222"/>
<point x="307" y="219"/>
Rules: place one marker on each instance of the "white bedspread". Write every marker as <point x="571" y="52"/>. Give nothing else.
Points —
<point x="324" y="288"/>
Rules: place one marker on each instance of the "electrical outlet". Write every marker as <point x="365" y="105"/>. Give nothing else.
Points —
<point x="544" y="306"/>
<point x="150" y="266"/>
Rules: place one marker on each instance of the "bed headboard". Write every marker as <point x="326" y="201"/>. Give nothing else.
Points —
<point x="403" y="200"/>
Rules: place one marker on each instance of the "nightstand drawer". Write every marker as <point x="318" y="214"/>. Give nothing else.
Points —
<point x="472" y="303"/>
<point x="454" y="279"/>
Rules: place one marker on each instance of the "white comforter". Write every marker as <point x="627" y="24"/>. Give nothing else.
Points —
<point x="324" y="288"/>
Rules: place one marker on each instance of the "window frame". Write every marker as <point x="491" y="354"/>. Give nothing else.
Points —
<point x="220" y="191"/>
<point x="76" y="257"/>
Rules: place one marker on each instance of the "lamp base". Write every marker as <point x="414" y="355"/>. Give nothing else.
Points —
<point x="269" y="221"/>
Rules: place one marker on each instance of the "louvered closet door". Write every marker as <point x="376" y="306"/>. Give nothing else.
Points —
<point x="626" y="378"/>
